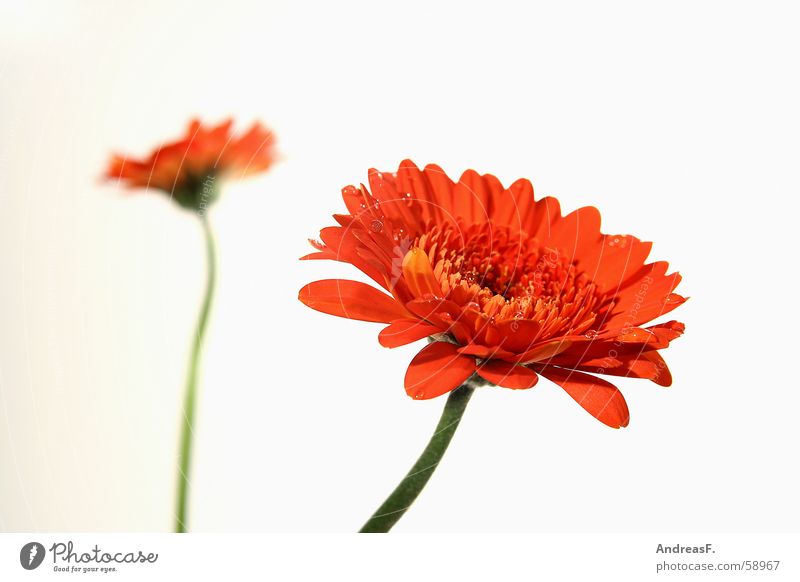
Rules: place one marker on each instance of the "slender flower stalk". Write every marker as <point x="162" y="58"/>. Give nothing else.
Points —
<point x="190" y="397"/>
<point x="412" y="484"/>
<point x="190" y="171"/>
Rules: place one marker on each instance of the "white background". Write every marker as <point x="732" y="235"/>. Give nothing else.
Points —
<point x="679" y="121"/>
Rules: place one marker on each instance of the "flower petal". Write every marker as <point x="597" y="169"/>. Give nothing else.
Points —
<point x="431" y="308"/>
<point x="394" y="205"/>
<point x="518" y="210"/>
<point x="666" y="332"/>
<point x="470" y="198"/>
<point x="577" y="233"/>
<point x="648" y="295"/>
<point x="418" y="273"/>
<point x="441" y="190"/>
<point x="508" y="375"/>
<point x="485" y="352"/>
<point x="598" y="397"/>
<point x="597" y="352"/>
<point x="646" y="365"/>
<point x="519" y="335"/>
<point x="351" y="299"/>
<point x="437" y="369"/>
<point x="544" y="351"/>
<point x="412" y="181"/>
<point x="405" y="331"/>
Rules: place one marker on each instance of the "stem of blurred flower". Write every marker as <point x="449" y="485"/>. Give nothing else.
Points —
<point x="190" y="397"/>
<point x="412" y="484"/>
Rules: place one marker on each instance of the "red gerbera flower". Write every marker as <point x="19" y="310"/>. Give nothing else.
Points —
<point x="506" y="287"/>
<point x="187" y="168"/>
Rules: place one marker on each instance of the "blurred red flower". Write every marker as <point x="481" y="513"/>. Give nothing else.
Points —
<point x="188" y="167"/>
<point x="191" y="170"/>
<point x="506" y="287"/>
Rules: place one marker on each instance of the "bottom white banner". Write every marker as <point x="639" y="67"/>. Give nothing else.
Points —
<point x="353" y="557"/>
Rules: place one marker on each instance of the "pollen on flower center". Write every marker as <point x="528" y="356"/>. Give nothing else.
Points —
<point x="508" y="275"/>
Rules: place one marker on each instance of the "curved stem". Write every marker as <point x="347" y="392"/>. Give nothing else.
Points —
<point x="412" y="484"/>
<point x="190" y="397"/>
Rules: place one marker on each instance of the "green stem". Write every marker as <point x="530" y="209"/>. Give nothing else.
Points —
<point x="412" y="484"/>
<point x="190" y="397"/>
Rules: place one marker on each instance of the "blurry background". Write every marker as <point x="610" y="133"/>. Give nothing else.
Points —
<point x="679" y="121"/>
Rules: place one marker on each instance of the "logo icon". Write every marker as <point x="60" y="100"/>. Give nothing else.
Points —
<point x="31" y="555"/>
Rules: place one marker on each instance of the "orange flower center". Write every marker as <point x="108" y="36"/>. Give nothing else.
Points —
<point x="505" y="275"/>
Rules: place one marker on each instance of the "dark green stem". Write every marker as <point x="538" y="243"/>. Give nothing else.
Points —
<point x="190" y="397"/>
<point x="412" y="484"/>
